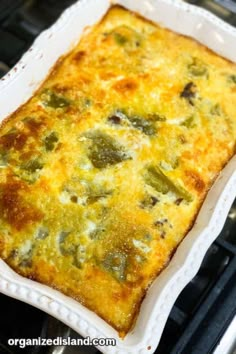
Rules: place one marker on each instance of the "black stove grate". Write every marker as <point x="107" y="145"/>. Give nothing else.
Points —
<point x="205" y="307"/>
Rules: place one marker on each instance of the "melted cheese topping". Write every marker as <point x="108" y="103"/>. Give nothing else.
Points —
<point x="103" y="171"/>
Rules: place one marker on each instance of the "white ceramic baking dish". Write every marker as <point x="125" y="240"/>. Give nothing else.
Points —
<point x="17" y="86"/>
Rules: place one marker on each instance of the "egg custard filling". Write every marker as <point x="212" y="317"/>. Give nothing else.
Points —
<point x="104" y="169"/>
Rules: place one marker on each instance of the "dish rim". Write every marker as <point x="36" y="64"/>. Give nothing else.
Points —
<point x="189" y="254"/>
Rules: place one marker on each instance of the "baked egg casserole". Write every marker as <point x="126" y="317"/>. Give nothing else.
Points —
<point x="104" y="169"/>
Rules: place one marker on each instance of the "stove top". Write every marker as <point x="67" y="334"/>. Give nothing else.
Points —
<point x="203" y="319"/>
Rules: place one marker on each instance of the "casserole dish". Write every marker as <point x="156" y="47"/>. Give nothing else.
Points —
<point x="149" y="347"/>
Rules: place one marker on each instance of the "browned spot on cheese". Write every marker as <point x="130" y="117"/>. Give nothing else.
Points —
<point x="107" y="75"/>
<point x="195" y="180"/>
<point x="145" y="76"/>
<point x="125" y="85"/>
<point x="27" y="155"/>
<point x="79" y="56"/>
<point x="34" y="127"/>
<point x="14" y="209"/>
<point x="123" y="294"/>
<point x="62" y="88"/>
<point x="182" y="139"/>
<point x="44" y="184"/>
<point x="18" y="139"/>
<point x="94" y="272"/>
<point x="15" y="140"/>
<point x="83" y="79"/>
<point x="49" y="271"/>
<point x="56" y="66"/>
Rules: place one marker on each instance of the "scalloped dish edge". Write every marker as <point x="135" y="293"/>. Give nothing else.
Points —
<point x="185" y="263"/>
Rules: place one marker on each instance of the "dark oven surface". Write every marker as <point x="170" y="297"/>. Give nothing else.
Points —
<point x="205" y="308"/>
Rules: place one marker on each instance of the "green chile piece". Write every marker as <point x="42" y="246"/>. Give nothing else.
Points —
<point x="26" y="259"/>
<point x="189" y="122"/>
<point x="50" y="141"/>
<point x="65" y="249"/>
<point x="105" y="151"/>
<point x="145" y="126"/>
<point x="54" y="100"/>
<point x="32" y="166"/>
<point x="198" y="68"/>
<point x="126" y="36"/>
<point x="116" y="263"/>
<point x="3" y="159"/>
<point x="232" y="78"/>
<point x="79" y="256"/>
<point x="42" y="233"/>
<point x="161" y="183"/>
